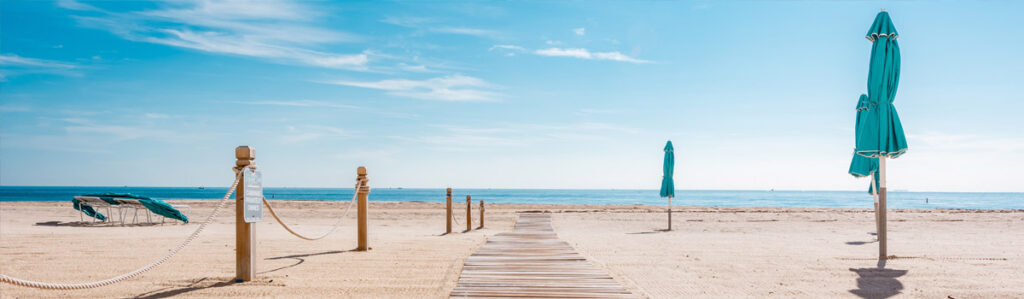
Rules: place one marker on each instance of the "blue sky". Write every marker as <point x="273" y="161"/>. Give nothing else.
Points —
<point x="754" y="95"/>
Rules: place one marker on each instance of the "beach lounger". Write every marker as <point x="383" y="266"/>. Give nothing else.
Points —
<point x="95" y="203"/>
<point x="132" y="203"/>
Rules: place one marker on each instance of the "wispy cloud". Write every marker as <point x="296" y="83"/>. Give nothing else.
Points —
<point x="433" y="26"/>
<point x="274" y="30"/>
<point x="465" y="31"/>
<point x="593" y="111"/>
<point x="157" y="116"/>
<point x="418" y="68"/>
<point x="506" y="47"/>
<point x="456" y="88"/>
<point x="510" y="50"/>
<point x="406" y="21"/>
<point x="582" y="53"/>
<point x="115" y="132"/>
<point x="313" y="133"/>
<point x="14" y="108"/>
<point x="580" y="31"/>
<point x="466" y="139"/>
<point x="300" y="103"/>
<point x="14" y="65"/>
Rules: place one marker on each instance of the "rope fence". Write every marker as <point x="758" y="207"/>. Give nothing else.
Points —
<point x="355" y="193"/>
<point x="88" y="285"/>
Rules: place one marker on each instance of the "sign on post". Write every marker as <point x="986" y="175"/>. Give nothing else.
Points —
<point x="253" y="195"/>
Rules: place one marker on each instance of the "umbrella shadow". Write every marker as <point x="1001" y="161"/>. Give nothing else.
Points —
<point x="199" y="284"/>
<point x="650" y="232"/>
<point x="860" y="242"/>
<point x="878" y="282"/>
<point x="95" y="224"/>
<point x="299" y="258"/>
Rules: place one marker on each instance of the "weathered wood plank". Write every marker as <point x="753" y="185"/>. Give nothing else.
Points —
<point x="532" y="262"/>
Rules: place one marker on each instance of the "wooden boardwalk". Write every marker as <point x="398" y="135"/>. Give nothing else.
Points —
<point x="531" y="261"/>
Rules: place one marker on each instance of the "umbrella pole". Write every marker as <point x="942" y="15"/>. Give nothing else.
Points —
<point x="874" y="194"/>
<point x="669" y="213"/>
<point x="881" y="209"/>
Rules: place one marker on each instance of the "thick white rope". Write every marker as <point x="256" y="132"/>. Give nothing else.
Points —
<point x="328" y="232"/>
<point x="88" y="285"/>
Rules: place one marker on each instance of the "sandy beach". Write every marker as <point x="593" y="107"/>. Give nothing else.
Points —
<point x="714" y="252"/>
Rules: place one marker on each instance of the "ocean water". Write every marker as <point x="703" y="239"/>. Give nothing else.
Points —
<point x="716" y="198"/>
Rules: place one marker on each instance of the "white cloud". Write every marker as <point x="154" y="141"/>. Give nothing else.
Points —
<point x="300" y="103"/>
<point x="15" y="65"/>
<point x="15" y="60"/>
<point x="465" y="31"/>
<point x="115" y="132"/>
<point x="509" y="50"/>
<point x="477" y="138"/>
<point x="406" y="21"/>
<point x="580" y="31"/>
<point x="313" y="133"/>
<point x="582" y="53"/>
<point x="507" y="47"/>
<point x="157" y="115"/>
<point x="14" y="108"/>
<point x="457" y="88"/>
<point x="419" y="68"/>
<point x="275" y="30"/>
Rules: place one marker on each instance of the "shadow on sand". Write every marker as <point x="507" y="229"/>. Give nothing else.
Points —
<point x="860" y="242"/>
<point x="207" y="283"/>
<point x="101" y="224"/>
<point x="878" y="282"/>
<point x="202" y="283"/>
<point x="299" y="258"/>
<point x="650" y="232"/>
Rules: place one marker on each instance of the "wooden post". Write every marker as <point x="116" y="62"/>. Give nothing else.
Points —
<point x="361" y="205"/>
<point x="882" y="234"/>
<point x="448" y="219"/>
<point x="481" y="213"/>
<point x="245" y="233"/>
<point x="469" y="214"/>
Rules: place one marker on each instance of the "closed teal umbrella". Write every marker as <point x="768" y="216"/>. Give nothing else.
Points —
<point x="862" y="166"/>
<point x="668" y="188"/>
<point x="882" y="133"/>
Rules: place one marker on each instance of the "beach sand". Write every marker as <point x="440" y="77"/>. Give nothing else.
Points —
<point x="714" y="252"/>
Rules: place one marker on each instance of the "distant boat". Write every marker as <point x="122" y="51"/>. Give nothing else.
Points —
<point x="201" y="187"/>
<point x="771" y="190"/>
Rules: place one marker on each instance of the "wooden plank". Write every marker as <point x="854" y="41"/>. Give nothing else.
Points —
<point x="532" y="262"/>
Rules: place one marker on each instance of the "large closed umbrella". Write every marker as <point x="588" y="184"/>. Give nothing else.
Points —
<point x="882" y="134"/>
<point x="668" y="188"/>
<point x="861" y="166"/>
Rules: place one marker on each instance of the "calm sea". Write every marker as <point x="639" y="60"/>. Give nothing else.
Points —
<point x="804" y="199"/>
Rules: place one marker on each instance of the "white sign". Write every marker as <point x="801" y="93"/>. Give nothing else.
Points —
<point x="253" y="195"/>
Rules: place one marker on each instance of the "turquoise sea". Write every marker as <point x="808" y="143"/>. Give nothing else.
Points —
<point x="717" y="198"/>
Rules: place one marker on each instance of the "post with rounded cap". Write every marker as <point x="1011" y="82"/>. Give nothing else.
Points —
<point x="481" y="213"/>
<point x="245" y="233"/>
<point x="448" y="220"/>
<point x="363" y="195"/>
<point x="469" y="213"/>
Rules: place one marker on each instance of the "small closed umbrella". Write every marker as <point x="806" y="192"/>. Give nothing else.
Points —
<point x="882" y="134"/>
<point x="861" y="166"/>
<point x="668" y="188"/>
